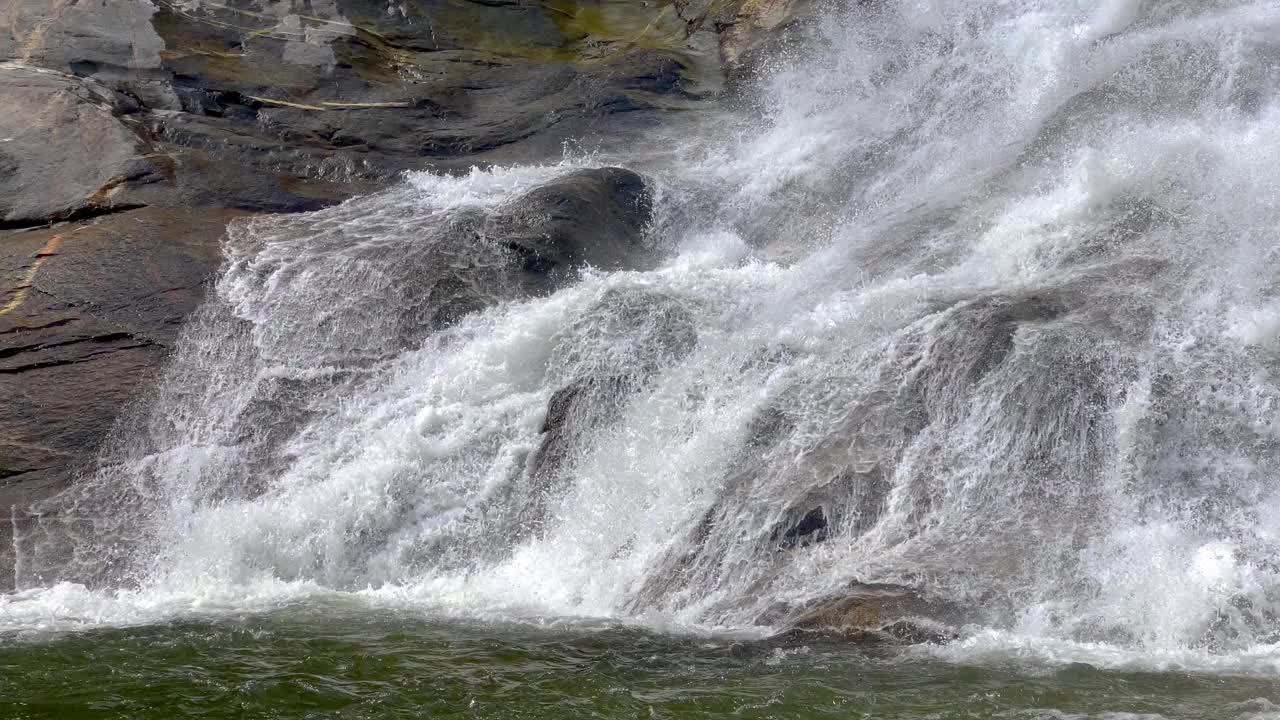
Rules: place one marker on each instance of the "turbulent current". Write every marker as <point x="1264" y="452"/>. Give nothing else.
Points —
<point x="989" y="287"/>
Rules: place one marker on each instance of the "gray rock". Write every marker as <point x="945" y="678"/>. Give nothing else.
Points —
<point x="159" y="121"/>
<point x="63" y="151"/>
<point x="108" y="38"/>
<point x="761" y="29"/>
<point x="644" y="332"/>
<point x="282" y="92"/>
<point x="750" y="26"/>
<point x="210" y="162"/>
<point x="593" y="218"/>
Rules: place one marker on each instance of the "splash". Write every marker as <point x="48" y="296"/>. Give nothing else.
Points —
<point x="980" y="293"/>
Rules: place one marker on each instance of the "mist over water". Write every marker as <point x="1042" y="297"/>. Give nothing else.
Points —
<point x="990" y="283"/>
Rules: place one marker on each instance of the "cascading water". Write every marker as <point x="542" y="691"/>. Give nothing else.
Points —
<point x="987" y="286"/>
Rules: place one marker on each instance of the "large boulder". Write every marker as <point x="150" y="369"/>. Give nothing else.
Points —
<point x="148" y="124"/>
<point x="589" y="218"/>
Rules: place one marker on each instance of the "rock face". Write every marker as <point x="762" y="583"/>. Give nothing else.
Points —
<point x="87" y="313"/>
<point x="347" y="89"/>
<point x="63" y="151"/>
<point x="745" y="29"/>
<point x="642" y="332"/>
<point x="754" y="22"/>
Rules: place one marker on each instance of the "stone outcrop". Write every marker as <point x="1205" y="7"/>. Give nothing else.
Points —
<point x="64" y="153"/>
<point x="88" y="312"/>
<point x="753" y="23"/>
<point x="645" y="332"/>
<point x="744" y="28"/>
<point x="346" y="87"/>
<point x="85" y="312"/>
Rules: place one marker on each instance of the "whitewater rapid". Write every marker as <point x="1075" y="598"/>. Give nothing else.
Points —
<point x="990" y="283"/>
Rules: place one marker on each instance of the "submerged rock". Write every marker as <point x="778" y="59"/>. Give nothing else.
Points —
<point x="872" y="613"/>
<point x="812" y="528"/>
<point x="630" y="337"/>
<point x="536" y="243"/>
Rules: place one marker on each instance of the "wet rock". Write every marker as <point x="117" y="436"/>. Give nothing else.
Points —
<point x="572" y="411"/>
<point x="85" y="38"/>
<point x="296" y="99"/>
<point x="848" y="502"/>
<point x="587" y="403"/>
<point x="872" y="613"/>
<point x="429" y="81"/>
<point x="211" y="162"/>
<point x="63" y="151"/>
<point x="590" y="218"/>
<point x="446" y="268"/>
<point x="198" y="111"/>
<point x="294" y="95"/>
<point x="87" y="312"/>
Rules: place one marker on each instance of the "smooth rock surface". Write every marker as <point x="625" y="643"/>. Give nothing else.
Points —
<point x="63" y="150"/>
<point x="306" y="103"/>
<point x="88" y="313"/>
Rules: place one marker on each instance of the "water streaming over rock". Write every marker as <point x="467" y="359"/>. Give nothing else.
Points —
<point x="978" y="297"/>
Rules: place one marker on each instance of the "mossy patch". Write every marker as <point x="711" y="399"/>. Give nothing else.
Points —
<point x="647" y="25"/>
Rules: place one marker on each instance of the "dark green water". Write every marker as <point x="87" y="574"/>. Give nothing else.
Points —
<point x="321" y="663"/>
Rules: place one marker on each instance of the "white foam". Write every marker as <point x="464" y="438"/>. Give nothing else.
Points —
<point x="989" y="282"/>
<point x="68" y="607"/>
<point x="1027" y="653"/>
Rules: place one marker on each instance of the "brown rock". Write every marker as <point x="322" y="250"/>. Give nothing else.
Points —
<point x="87" y="312"/>
<point x="877" y="613"/>
<point x="754" y="22"/>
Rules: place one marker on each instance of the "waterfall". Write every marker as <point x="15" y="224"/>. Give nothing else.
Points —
<point x="976" y="296"/>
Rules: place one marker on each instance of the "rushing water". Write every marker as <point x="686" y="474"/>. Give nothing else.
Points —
<point x="991" y="283"/>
